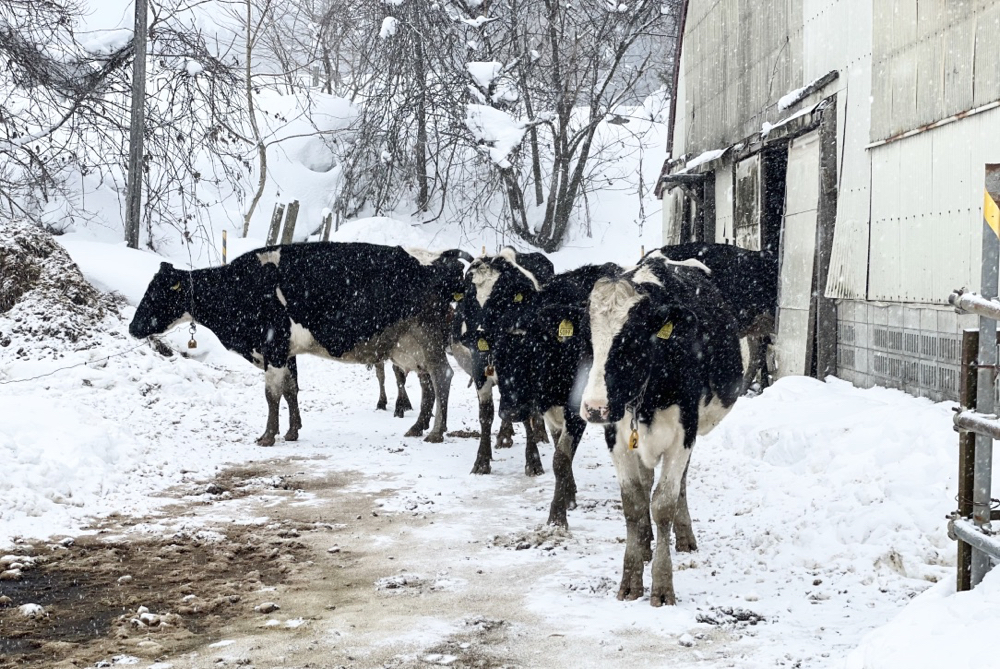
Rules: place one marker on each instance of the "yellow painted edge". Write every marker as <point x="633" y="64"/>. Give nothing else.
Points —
<point x="991" y="213"/>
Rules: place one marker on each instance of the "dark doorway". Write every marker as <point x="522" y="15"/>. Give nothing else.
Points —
<point x="774" y="167"/>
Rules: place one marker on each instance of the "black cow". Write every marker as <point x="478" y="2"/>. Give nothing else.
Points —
<point x="748" y="281"/>
<point x="541" y="353"/>
<point x="667" y="367"/>
<point x="496" y="286"/>
<point x="361" y="303"/>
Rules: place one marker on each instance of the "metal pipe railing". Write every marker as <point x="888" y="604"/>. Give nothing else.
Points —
<point x="974" y="304"/>
<point x="964" y="530"/>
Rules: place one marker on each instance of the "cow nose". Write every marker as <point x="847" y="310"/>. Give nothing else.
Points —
<point x="594" y="412"/>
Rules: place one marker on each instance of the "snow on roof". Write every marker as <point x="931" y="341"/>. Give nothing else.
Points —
<point x="497" y="129"/>
<point x="766" y="128"/>
<point x="792" y="97"/>
<point x="702" y="159"/>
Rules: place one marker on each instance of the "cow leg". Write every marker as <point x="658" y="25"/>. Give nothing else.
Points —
<point x="538" y="425"/>
<point x="402" y="399"/>
<point x="684" y="541"/>
<point x="290" y="391"/>
<point x="635" y="480"/>
<point x="664" y="508"/>
<point x="383" y="401"/>
<point x="485" y="453"/>
<point x="566" y="435"/>
<point x="426" y="406"/>
<point x="505" y="436"/>
<point x="532" y="459"/>
<point x="441" y="379"/>
<point x="274" y="385"/>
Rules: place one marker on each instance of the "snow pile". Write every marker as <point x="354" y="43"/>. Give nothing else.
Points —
<point x="496" y="129"/>
<point x="941" y="628"/>
<point x="381" y="230"/>
<point x="45" y="303"/>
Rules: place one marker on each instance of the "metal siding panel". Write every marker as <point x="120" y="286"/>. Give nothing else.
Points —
<point x="904" y="24"/>
<point x="959" y="45"/>
<point x="987" y="80"/>
<point x="929" y="81"/>
<point x="884" y="255"/>
<point x="904" y="93"/>
<point x="798" y="249"/>
<point x="915" y="229"/>
<point x="848" y="277"/>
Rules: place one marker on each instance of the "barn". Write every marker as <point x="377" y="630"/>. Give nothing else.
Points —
<point x="851" y="138"/>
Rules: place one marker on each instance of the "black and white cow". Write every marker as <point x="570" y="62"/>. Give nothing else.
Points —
<point x="496" y="286"/>
<point x="667" y="367"/>
<point x="748" y="281"/>
<point x="355" y="302"/>
<point x="541" y="354"/>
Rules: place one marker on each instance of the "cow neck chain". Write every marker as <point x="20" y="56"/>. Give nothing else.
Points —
<point x="633" y="405"/>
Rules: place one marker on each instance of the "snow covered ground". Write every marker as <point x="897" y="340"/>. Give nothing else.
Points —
<point x="818" y="507"/>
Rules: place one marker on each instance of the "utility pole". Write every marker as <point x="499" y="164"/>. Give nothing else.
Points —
<point x="133" y="197"/>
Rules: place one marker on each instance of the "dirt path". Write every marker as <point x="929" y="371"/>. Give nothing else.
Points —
<point x="198" y="586"/>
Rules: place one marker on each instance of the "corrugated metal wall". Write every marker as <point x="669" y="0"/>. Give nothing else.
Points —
<point x="926" y="210"/>
<point x="931" y="59"/>
<point x="741" y="57"/>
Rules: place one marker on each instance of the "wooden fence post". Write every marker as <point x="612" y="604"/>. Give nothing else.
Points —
<point x="966" y="453"/>
<point x="290" y="218"/>
<point x="327" y="224"/>
<point x="272" y="232"/>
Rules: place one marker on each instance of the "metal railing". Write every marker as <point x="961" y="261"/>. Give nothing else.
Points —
<point x="978" y="548"/>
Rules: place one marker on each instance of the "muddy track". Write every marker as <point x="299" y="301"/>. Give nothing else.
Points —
<point x="242" y="574"/>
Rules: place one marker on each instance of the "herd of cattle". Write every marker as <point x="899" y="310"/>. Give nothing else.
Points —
<point x="650" y="352"/>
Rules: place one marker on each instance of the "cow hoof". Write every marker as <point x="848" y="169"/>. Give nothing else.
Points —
<point x="558" y="519"/>
<point x="381" y="406"/>
<point x="685" y="544"/>
<point x="434" y="438"/>
<point x="292" y="435"/>
<point x="661" y="598"/>
<point x="414" y="432"/>
<point x="265" y="440"/>
<point x="398" y="413"/>
<point x="481" y="467"/>
<point x="629" y="594"/>
<point x="533" y="469"/>
<point x="504" y="441"/>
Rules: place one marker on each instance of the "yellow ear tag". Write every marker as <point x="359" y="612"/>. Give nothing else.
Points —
<point x="482" y="345"/>
<point x="518" y="298"/>
<point x="633" y="440"/>
<point x="666" y="331"/>
<point x="565" y="329"/>
<point x="457" y="296"/>
<point x="176" y="286"/>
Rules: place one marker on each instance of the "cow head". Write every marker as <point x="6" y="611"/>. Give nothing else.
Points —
<point x="495" y="287"/>
<point x="537" y="356"/>
<point x="166" y="301"/>
<point x="638" y="333"/>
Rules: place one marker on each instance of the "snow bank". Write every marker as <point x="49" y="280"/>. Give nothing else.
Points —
<point x="941" y="628"/>
<point x="381" y="230"/>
